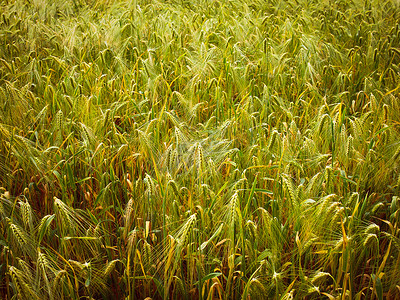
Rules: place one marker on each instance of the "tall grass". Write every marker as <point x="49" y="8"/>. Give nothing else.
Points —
<point x="199" y="149"/>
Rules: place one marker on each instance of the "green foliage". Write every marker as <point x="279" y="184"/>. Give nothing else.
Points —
<point x="199" y="149"/>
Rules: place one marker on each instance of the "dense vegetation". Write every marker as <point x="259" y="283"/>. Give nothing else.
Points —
<point x="199" y="149"/>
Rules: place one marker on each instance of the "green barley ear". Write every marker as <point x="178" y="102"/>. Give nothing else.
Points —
<point x="329" y="177"/>
<point x="21" y="238"/>
<point x="172" y="162"/>
<point x="173" y="118"/>
<point x="76" y="265"/>
<point x="357" y="128"/>
<point x="150" y="126"/>
<point x="145" y="141"/>
<point x="128" y="217"/>
<point x="57" y="281"/>
<point x="59" y="126"/>
<point x="320" y="277"/>
<point x="178" y="136"/>
<point x="385" y="113"/>
<point x="349" y="146"/>
<point x="211" y="167"/>
<point x="232" y="206"/>
<point x="59" y="120"/>
<point x="353" y="199"/>
<point x="257" y="288"/>
<point x="272" y="140"/>
<point x="241" y="185"/>
<point x="343" y="136"/>
<point x="147" y="253"/>
<point x="150" y="186"/>
<point x="87" y="135"/>
<point x="323" y="122"/>
<point x="371" y="241"/>
<point x="314" y="185"/>
<point x="335" y="213"/>
<point x="64" y="217"/>
<point x="45" y="269"/>
<point x="210" y="122"/>
<point x="180" y="285"/>
<point x="324" y="204"/>
<point x="293" y="131"/>
<point x="232" y="215"/>
<point x="172" y="183"/>
<point x="27" y="215"/>
<point x="372" y="229"/>
<point x="292" y="192"/>
<point x="308" y="147"/>
<point x="26" y="268"/>
<point x="40" y="117"/>
<point x="110" y="267"/>
<point x="167" y="157"/>
<point x="23" y="289"/>
<point x="183" y="234"/>
<point x="18" y="280"/>
<point x="43" y="261"/>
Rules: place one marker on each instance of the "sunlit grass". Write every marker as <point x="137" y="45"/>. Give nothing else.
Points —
<point x="199" y="149"/>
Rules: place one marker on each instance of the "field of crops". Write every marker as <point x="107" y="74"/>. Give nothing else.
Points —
<point x="200" y="149"/>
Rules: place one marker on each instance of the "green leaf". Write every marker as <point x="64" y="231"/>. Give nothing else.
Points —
<point x="43" y="227"/>
<point x="377" y="286"/>
<point x="79" y="238"/>
<point x="209" y="276"/>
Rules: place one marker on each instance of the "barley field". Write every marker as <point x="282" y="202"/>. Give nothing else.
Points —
<point x="200" y="149"/>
